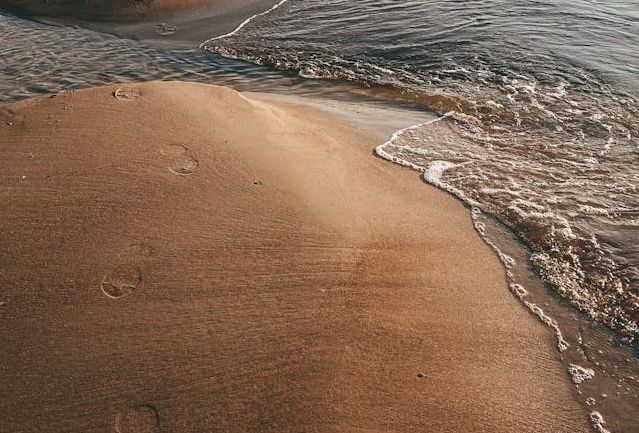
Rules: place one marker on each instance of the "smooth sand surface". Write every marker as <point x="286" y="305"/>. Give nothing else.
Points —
<point x="170" y="23"/>
<point x="116" y="10"/>
<point x="187" y="28"/>
<point x="188" y="259"/>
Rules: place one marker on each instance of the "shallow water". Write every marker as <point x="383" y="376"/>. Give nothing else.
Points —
<point x="539" y="132"/>
<point x="543" y="130"/>
<point x="39" y="59"/>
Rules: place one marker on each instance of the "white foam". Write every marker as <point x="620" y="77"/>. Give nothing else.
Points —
<point x="433" y="175"/>
<point x="243" y="24"/>
<point x="507" y="260"/>
<point x="580" y="374"/>
<point x="598" y="422"/>
<point x="435" y="171"/>
<point x="562" y="344"/>
<point x="518" y="290"/>
<point x="592" y="210"/>
<point x="381" y="151"/>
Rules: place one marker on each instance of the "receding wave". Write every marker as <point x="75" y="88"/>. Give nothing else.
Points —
<point x="538" y="137"/>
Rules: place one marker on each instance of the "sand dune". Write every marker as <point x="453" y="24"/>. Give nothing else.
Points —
<point x="188" y="259"/>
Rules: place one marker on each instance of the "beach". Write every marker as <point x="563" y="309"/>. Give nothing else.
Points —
<point x="167" y="23"/>
<point x="181" y="257"/>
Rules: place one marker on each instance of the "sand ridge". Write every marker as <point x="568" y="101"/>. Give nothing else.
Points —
<point x="290" y="281"/>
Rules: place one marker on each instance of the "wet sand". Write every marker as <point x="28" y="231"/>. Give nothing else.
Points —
<point x="169" y="23"/>
<point x="184" y="258"/>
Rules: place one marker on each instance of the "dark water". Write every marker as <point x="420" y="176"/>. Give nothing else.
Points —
<point x="37" y="59"/>
<point x="539" y="131"/>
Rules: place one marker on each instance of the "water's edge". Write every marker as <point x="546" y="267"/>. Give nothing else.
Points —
<point x="576" y="336"/>
<point x="603" y="370"/>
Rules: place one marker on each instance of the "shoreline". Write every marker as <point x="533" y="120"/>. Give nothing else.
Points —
<point x="361" y="297"/>
<point x="180" y="27"/>
<point x="574" y="332"/>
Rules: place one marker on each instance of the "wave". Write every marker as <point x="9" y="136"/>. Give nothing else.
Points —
<point x="243" y="24"/>
<point x="544" y="145"/>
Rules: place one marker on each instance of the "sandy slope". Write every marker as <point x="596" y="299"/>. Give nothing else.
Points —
<point x="185" y="27"/>
<point x="173" y="23"/>
<point x="191" y="260"/>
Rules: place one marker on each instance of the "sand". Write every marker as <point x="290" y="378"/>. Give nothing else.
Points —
<point x="168" y="23"/>
<point x="190" y="259"/>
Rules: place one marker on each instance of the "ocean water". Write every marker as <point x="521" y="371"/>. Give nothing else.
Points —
<point x="538" y="133"/>
<point x="38" y="59"/>
<point x="542" y="124"/>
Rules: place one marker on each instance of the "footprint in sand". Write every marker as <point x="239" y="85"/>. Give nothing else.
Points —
<point x="126" y="94"/>
<point x="138" y="419"/>
<point x="121" y="282"/>
<point x="179" y="161"/>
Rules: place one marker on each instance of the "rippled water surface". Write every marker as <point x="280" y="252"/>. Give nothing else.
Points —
<point x="539" y="130"/>
<point x="37" y="59"/>
<point x="544" y="117"/>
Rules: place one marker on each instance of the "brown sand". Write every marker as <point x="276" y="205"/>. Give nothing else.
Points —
<point x="170" y="23"/>
<point x="117" y="10"/>
<point x="188" y="27"/>
<point x="192" y="260"/>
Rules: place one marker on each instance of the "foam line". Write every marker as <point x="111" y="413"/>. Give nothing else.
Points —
<point x="430" y="177"/>
<point x="427" y="172"/>
<point x="383" y="154"/>
<point x="243" y="24"/>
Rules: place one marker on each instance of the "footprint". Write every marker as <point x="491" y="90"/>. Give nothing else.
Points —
<point x="179" y="162"/>
<point x="121" y="282"/>
<point x="125" y="95"/>
<point x="138" y="419"/>
<point x="183" y="166"/>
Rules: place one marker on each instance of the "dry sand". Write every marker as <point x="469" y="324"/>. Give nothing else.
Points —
<point x="192" y="260"/>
